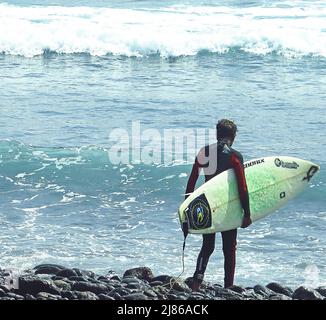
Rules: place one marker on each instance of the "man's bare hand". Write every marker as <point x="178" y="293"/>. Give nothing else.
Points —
<point x="246" y="222"/>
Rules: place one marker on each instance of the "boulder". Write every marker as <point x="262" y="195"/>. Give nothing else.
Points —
<point x="276" y="287"/>
<point x="143" y="273"/>
<point x="305" y="293"/>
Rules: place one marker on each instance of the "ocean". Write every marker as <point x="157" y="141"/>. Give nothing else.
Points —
<point x="91" y="92"/>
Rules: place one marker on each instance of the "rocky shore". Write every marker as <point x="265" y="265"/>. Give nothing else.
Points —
<point x="55" y="282"/>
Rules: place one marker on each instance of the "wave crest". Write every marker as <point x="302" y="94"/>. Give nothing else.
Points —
<point x="169" y="32"/>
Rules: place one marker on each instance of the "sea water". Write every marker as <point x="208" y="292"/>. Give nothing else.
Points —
<point x="76" y="76"/>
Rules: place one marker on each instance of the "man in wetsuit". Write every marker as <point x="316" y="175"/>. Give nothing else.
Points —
<point x="214" y="159"/>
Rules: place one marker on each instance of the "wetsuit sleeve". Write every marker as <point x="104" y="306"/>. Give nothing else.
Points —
<point x="194" y="175"/>
<point x="237" y="164"/>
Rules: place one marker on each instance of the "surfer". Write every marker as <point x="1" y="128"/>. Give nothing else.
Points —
<point x="214" y="159"/>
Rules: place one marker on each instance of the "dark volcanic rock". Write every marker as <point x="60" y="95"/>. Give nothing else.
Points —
<point x="91" y="287"/>
<point x="105" y="297"/>
<point x="47" y="296"/>
<point x="276" y="287"/>
<point x="136" y="296"/>
<point x="48" y="270"/>
<point x="2" y="293"/>
<point x="304" y="293"/>
<point x="322" y="290"/>
<point x="143" y="273"/>
<point x="86" y="295"/>
<point x="237" y="289"/>
<point x="67" y="273"/>
<point x="32" y="285"/>
<point x="279" y="296"/>
<point x="263" y="291"/>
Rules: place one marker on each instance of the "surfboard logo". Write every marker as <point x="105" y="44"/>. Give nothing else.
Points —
<point x="199" y="213"/>
<point x="289" y="165"/>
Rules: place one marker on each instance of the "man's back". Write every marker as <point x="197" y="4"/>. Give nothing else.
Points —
<point x="216" y="158"/>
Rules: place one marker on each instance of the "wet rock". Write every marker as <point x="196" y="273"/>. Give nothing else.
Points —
<point x="86" y="295"/>
<point x="179" y="285"/>
<point x="105" y="297"/>
<point x="33" y="286"/>
<point x="67" y="273"/>
<point x="155" y="283"/>
<point x="150" y="293"/>
<point x="120" y="291"/>
<point x="84" y="273"/>
<point x="91" y="287"/>
<point x="136" y="296"/>
<point x="276" y="287"/>
<point x="144" y="273"/>
<point x="279" y="296"/>
<point x="15" y="296"/>
<point x="227" y="294"/>
<point x="322" y="290"/>
<point x="70" y="295"/>
<point x="78" y="278"/>
<point x="2" y="293"/>
<point x="162" y="278"/>
<point x="47" y="296"/>
<point x="62" y="285"/>
<point x="29" y="297"/>
<point x="304" y="293"/>
<point x="263" y="291"/>
<point x="48" y="270"/>
<point x="3" y="288"/>
<point x="237" y="289"/>
<point x="115" y="278"/>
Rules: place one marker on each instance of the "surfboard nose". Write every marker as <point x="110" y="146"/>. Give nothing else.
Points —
<point x="312" y="170"/>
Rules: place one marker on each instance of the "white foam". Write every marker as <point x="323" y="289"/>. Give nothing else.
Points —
<point x="170" y="31"/>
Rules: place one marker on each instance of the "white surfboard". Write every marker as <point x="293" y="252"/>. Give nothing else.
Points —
<point x="272" y="182"/>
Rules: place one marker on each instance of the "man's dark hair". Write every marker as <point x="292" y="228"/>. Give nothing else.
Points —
<point x="225" y="129"/>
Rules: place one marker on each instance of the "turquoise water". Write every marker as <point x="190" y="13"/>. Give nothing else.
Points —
<point x="71" y="74"/>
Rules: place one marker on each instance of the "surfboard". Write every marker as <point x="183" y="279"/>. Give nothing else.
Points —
<point x="272" y="182"/>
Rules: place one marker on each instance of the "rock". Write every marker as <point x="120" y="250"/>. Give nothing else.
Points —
<point x="29" y="297"/>
<point x="115" y="278"/>
<point x="105" y="297"/>
<point x="140" y="273"/>
<point x="150" y="293"/>
<point x="3" y="288"/>
<point x="276" y="287"/>
<point x="32" y="285"/>
<point x="120" y="291"/>
<point x="84" y="273"/>
<point x="163" y="279"/>
<point x="62" y="285"/>
<point x="279" y="296"/>
<point x="179" y="285"/>
<point x="50" y="267"/>
<point x="155" y="283"/>
<point x="86" y="295"/>
<point x="136" y="296"/>
<point x="91" y="287"/>
<point x="263" y="291"/>
<point x="237" y="289"/>
<point x="48" y="270"/>
<point x="2" y="293"/>
<point x="227" y="294"/>
<point x="70" y="295"/>
<point x="304" y="293"/>
<point x="15" y="296"/>
<point x="322" y="290"/>
<point x="78" y="278"/>
<point x="67" y="273"/>
<point x="47" y="296"/>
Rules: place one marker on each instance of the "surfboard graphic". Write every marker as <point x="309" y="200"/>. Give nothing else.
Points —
<point x="271" y="181"/>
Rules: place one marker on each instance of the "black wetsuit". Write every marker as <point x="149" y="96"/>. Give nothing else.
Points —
<point x="214" y="159"/>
